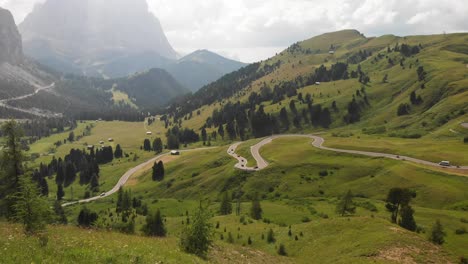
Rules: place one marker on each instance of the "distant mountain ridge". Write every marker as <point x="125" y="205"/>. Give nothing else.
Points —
<point x="200" y="68"/>
<point x="115" y="39"/>
<point x="84" y="34"/>
<point x="29" y="89"/>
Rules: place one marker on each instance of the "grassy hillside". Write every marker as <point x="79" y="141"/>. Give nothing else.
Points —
<point x="67" y="244"/>
<point x="432" y="119"/>
<point x="292" y="190"/>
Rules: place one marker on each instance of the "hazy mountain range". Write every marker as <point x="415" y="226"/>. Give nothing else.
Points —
<point x="95" y="38"/>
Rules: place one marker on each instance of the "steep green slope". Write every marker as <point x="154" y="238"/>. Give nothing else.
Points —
<point x="389" y="63"/>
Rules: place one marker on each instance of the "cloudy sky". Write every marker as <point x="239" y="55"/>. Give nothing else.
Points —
<point x="252" y="30"/>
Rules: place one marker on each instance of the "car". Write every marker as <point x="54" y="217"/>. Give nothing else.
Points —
<point x="444" y="163"/>
<point x="103" y="194"/>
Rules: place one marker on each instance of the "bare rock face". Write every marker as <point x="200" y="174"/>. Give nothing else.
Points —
<point x="92" y="31"/>
<point x="11" y="50"/>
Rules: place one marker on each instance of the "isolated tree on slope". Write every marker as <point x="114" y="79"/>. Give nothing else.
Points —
<point x="118" y="152"/>
<point x="197" y="238"/>
<point x="346" y="205"/>
<point x="30" y="208"/>
<point x="437" y="234"/>
<point x="396" y="199"/>
<point x="256" y="209"/>
<point x="158" y="171"/>
<point x="226" y="206"/>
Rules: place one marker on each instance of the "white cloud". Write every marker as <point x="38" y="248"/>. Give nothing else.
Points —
<point x="256" y="29"/>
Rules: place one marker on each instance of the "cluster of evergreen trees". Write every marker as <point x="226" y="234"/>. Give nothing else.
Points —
<point x="176" y="136"/>
<point x="359" y="57"/>
<point x="104" y="155"/>
<point x="157" y="145"/>
<point x="237" y="119"/>
<point x="127" y="205"/>
<point x="77" y="163"/>
<point x="356" y="106"/>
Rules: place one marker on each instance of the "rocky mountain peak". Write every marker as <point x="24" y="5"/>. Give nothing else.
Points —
<point x="11" y="50"/>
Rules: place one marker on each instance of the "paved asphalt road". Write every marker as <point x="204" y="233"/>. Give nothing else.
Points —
<point x="318" y="143"/>
<point x="123" y="180"/>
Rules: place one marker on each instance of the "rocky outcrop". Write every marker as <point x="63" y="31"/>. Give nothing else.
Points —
<point x="11" y="50"/>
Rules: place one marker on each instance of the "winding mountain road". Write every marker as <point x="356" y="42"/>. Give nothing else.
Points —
<point x="123" y="180"/>
<point x="39" y="89"/>
<point x="32" y="111"/>
<point x="318" y="143"/>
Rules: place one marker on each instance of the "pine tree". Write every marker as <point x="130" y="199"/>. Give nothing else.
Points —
<point x="12" y="165"/>
<point x="226" y="205"/>
<point x="346" y="205"/>
<point x="44" y="186"/>
<point x="154" y="225"/>
<point x="256" y="209"/>
<point x="60" y="192"/>
<point x="30" y="208"/>
<point x="71" y="137"/>
<point x="147" y="145"/>
<point x="284" y="118"/>
<point x="70" y="174"/>
<point x="157" y="145"/>
<point x="204" y="135"/>
<point x="60" y="216"/>
<point x="120" y="193"/>
<point x="118" y="152"/>
<point x="94" y="183"/>
<point x="221" y="131"/>
<point x="158" y="171"/>
<point x="437" y="234"/>
<point x="407" y="220"/>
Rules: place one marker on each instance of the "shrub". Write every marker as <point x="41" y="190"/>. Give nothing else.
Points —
<point x="460" y="231"/>
<point x="323" y="173"/>
<point x="86" y="218"/>
<point x="271" y="237"/>
<point x="465" y="140"/>
<point x="282" y="250"/>
<point x="403" y="109"/>
<point x="463" y="260"/>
